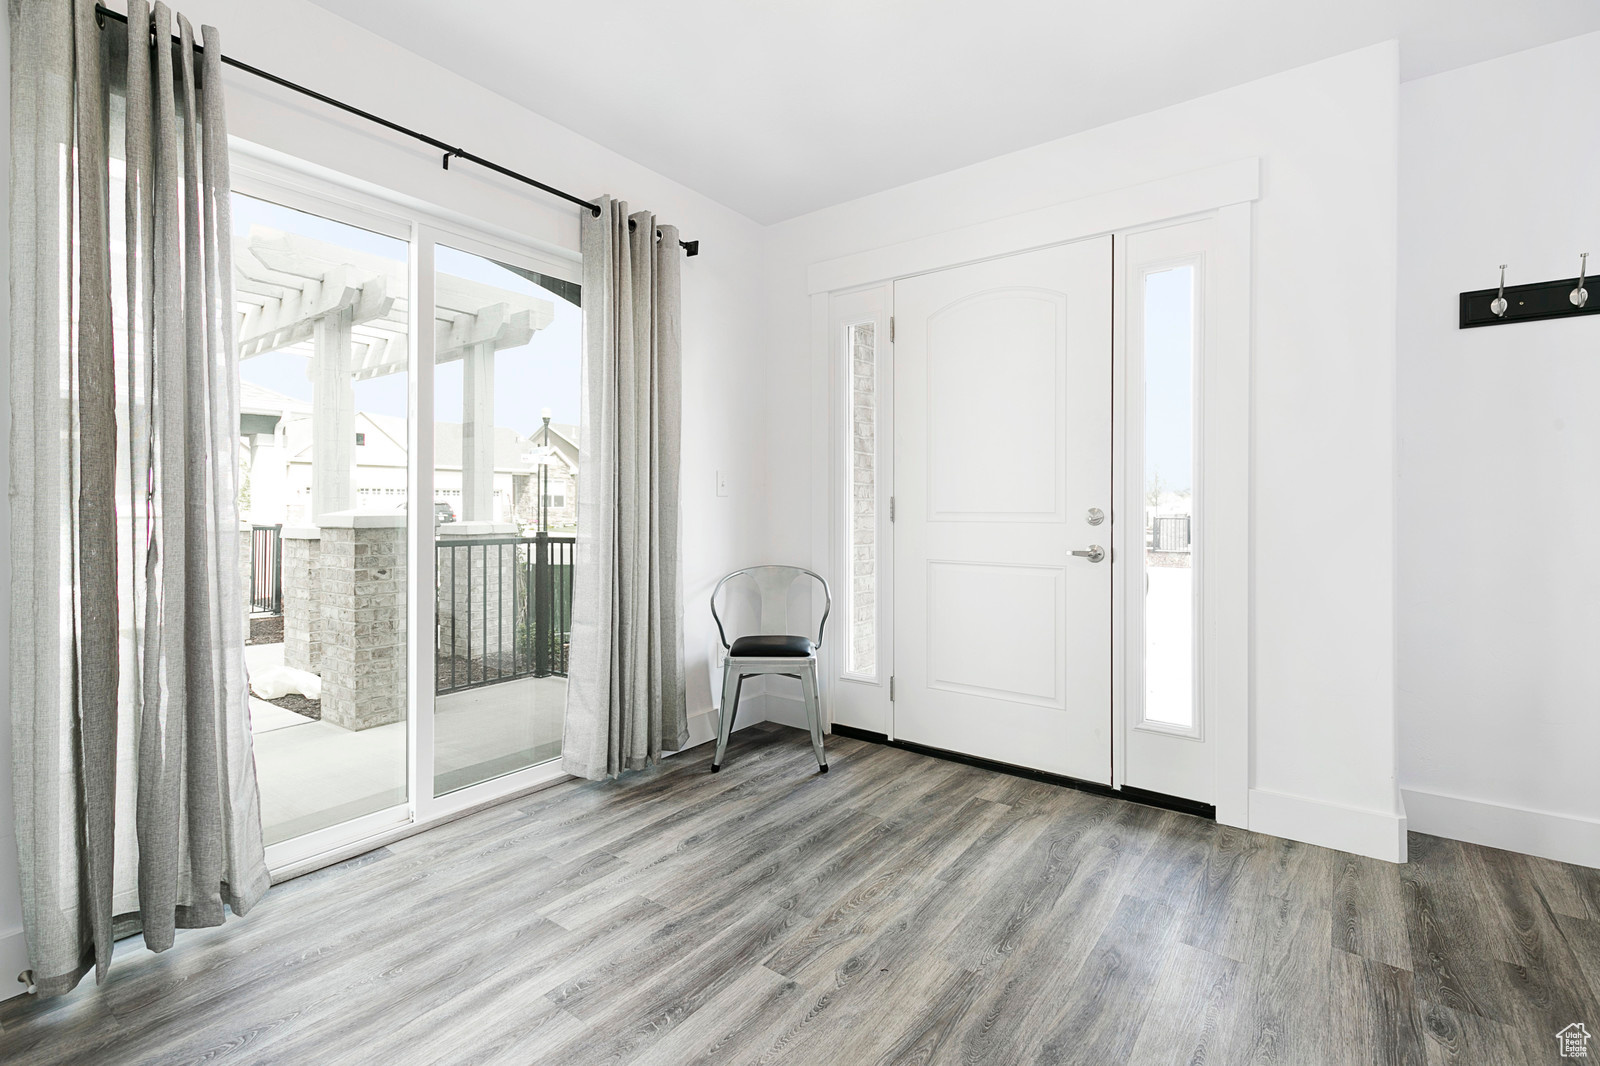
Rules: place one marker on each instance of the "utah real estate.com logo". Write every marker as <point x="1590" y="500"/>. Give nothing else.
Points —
<point x="1574" y="1041"/>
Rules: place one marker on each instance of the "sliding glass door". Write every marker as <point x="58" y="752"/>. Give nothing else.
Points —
<point x="505" y="460"/>
<point x="409" y="622"/>
<point x="323" y="333"/>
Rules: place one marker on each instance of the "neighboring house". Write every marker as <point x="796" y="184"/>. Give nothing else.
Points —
<point x="516" y="474"/>
<point x="263" y="472"/>
<point x="276" y="430"/>
<point x="561" y="484"/>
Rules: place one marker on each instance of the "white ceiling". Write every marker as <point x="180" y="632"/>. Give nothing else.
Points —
<point x="779" y="108"/>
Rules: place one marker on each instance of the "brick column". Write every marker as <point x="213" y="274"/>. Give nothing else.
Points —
<point x="302" y="598"/>
<point x="363" y="609"/>
<point x="245" y="575"/>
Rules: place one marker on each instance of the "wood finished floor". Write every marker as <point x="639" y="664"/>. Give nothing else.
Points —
<point x="898" y="909"/>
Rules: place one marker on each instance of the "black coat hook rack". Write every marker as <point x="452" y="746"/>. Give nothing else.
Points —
<point x="1504" y="304"/>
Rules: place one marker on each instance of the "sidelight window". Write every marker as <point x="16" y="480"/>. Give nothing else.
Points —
<point x="863" y="550"/>
<point x="1169" y="497"/>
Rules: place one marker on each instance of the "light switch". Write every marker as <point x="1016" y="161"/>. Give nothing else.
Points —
<point x="722" y="483"/>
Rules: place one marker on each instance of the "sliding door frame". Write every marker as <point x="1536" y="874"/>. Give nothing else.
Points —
<point x="268" y="176"/>
<point x="427" y="806"/>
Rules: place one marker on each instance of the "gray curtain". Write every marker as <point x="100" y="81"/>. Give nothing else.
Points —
<point x="135" y="789"/>
<point x="625" y="692"/>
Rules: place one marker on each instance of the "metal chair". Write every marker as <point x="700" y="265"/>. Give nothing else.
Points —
<point x="773" y="650"/>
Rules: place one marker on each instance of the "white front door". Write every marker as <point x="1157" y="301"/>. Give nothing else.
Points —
<point x="1002" y="465"/>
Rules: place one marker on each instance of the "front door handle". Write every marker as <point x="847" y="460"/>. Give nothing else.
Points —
<point x="1094" y="553"/>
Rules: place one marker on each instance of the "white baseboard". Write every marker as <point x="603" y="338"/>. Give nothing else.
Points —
<point x="702" y="728"/>
<point x="13" y="960"/>
<point x="13" y="944"/>
<point x="1380" y="834"/>
<point x="1563" y="837"/>
<point x="703" y="724"/>
<point x="756" y="703"/>
<point x="786" y="709"/>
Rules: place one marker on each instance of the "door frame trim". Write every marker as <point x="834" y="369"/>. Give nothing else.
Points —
<point x="864" y="698"/>
<point x="1222" y="515"/>
<point x="1226" y="192"/>
<point x="1195" y="193"/>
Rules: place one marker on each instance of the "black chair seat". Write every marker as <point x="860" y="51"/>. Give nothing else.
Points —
<point x="768" y="647"/>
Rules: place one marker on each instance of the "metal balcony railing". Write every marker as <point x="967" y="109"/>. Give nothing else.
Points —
<point x="1170" y="533"/>
<point x="504" y="609"/>
<point x="266" y="569"/>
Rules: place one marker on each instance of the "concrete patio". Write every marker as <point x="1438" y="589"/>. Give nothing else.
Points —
<point x="315" y="774"/>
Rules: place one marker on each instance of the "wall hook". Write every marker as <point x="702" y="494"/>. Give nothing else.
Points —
<point x="1528" y="302"/>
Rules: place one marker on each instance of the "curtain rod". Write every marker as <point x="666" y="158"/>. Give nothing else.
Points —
<point x="102" y="13"/>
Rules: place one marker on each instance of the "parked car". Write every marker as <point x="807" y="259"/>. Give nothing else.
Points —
<point x="443" y="512"/>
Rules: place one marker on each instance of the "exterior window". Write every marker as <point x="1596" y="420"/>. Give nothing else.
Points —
<point x="1169" y="498"/>
<point x="862" y="525"/>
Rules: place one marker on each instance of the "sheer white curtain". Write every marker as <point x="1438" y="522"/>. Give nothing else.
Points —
<point x="134" y="781"/>
<point x="625" y="688"/>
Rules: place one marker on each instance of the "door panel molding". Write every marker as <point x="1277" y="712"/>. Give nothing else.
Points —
<point x="987" y="398"/>
<point x="1003" y="402"/>
<point x="972" y="646"/>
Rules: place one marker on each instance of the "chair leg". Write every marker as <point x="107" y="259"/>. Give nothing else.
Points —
<point x="808" y="685"/>
<point x="732" y="682"/>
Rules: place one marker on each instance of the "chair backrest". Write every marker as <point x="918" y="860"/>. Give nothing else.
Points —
<point x="765" y="599"/>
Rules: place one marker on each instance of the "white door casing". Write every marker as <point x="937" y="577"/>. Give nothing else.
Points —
<point x="1225" y="193"/>
<point x="1002" y="416"/>
<point x="863" y="477"/>
<point x="1161" y="756"/>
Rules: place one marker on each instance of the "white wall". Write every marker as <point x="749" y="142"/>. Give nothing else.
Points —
<point x="722" y="325"/>
<point x="1324" y="347"/>
<point x="1499" y="455"/>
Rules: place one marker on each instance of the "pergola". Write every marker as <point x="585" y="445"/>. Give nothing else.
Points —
<point x="350" y="313"/>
